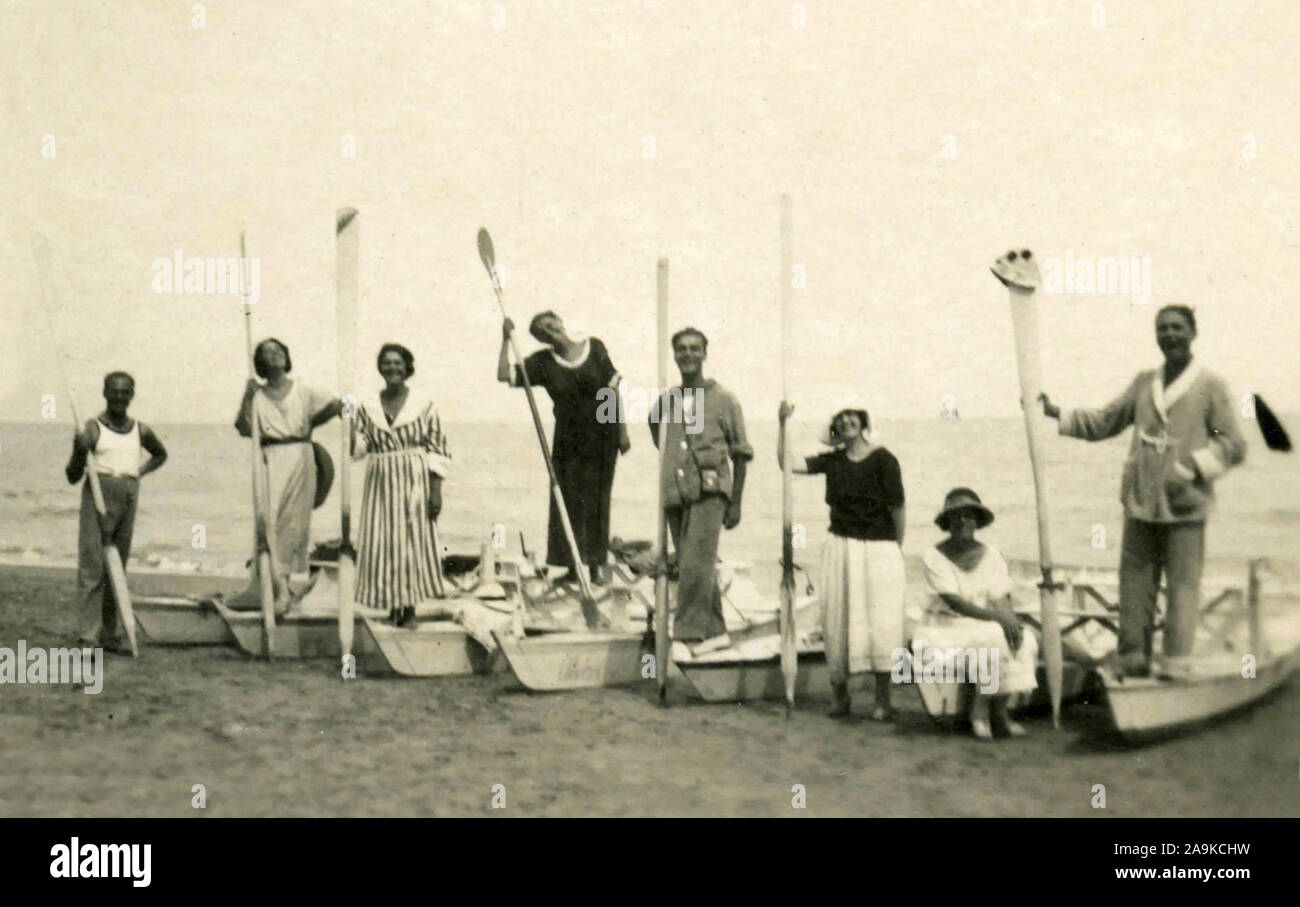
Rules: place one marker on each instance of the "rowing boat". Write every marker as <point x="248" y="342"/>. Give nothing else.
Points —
<point x="582" y="659"/>
<point x="436" y="648"/>
<point x="175" y="621"/>
<point x="751" y="670"/>
<point x="1235" y="667"/>
<point x="1209" y="688"/>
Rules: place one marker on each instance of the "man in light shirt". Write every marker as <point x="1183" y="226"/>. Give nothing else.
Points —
<point x="116" y="440"/>
<point x="706" y="454"/>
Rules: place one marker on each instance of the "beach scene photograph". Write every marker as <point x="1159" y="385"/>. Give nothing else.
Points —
<point x="650" y="409"/>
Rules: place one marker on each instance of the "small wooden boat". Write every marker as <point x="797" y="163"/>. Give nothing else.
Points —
<point x="1207" y="689"/>
<point x="751" y="670"/>
<point x="436" y="648"/>
<point x="169" y="620"/>
<point x="719" y="678"/>
<point x="582" y="659"/>
<point x="576" y="661"/>
<point x="1196" y="688"/>
<point x="296" y="635"/>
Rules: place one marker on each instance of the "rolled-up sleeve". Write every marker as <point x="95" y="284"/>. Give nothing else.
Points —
<point x="1106" y="422"/>
<point x="537" y="374"/>
<point x="733" y="429"/>
<point x="437" y="455"/>
<point x="1226" y="446"/>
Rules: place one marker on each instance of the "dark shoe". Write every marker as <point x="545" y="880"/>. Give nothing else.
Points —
<point x="840" y="701"/>
<point x="1134" y="664"/>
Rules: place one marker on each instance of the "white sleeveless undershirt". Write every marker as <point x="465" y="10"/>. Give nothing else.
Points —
<point x="116" y="454"/>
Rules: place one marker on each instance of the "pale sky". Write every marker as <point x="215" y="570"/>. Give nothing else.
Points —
<point x="919" y="140"/>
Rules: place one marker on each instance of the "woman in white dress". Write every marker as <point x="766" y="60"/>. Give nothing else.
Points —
<point x="286" y="412"/>
<point x="400" y="435"/>
<point x="973" y="610"/>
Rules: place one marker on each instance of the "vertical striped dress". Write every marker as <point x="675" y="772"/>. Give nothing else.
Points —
<point x="396" y="566"/>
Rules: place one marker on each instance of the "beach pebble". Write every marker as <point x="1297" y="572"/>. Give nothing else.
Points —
<point x="233" y="730"/>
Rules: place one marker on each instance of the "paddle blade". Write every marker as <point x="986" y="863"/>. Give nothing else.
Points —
<point x="117" y="576"/>
<point x="486" y="252"/>
<point x="1275" y="435"/>
<point x="268" y="602"/>
<point x="1018" y="269"/>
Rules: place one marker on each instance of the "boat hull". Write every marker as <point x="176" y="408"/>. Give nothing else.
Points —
<point x="760" y="679"/>
<point x="296" y="635"/>
<point x="1143" y="707"/>
<point x="574" y="661"/>
<point x="172" y="621"/>
<point x="436" y="648"/>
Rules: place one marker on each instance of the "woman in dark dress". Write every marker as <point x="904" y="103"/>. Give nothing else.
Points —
<point x="589" y="433"/>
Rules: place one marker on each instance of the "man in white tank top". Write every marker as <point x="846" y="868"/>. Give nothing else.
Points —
<point x="116" y="441"/>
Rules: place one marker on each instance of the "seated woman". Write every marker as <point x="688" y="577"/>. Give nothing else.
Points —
<point x="399" y="432"/>
<point x="286" y="412"/>
<point x="973" y="610"/>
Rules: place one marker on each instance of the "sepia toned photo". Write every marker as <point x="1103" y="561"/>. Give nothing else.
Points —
<point x="650" y="409"/>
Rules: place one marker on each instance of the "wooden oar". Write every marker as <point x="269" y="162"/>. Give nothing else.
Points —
<point x="347" y="291"/>
<point x="1018" y="272"/>
<point x="261" y="481"/>
<point x="112" y="557"/>
<point x="789" y="650"/>
<point x="487" y="253"/>
<point x="663" y="642"/>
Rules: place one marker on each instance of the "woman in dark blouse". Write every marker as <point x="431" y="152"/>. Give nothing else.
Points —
<point x="862" y="562"/>
<point x="589" y="433"/>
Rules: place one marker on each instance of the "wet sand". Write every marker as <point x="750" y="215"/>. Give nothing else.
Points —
<point x="292" y="739"/>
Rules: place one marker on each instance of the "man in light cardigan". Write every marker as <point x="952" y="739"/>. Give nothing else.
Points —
<point x="1186" y="434"/>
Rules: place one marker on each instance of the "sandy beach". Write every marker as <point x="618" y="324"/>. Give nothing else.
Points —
<point x="292" y="739"/>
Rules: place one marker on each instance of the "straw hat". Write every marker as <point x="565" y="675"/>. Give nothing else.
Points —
<point x="828" y="436"/>
<point x="963" y="499"/>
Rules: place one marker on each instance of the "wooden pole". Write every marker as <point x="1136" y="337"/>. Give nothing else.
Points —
<point x="1021" y="287"/>
<point x="789" y="651"/>
<point x="261" y="481"/>
<point x="347" y="293"/>
<point x="487" y="253"/>
<point x="663" y="642"/>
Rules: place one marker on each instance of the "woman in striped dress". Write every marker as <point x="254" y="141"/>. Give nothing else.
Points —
<point x="400" y="435"/>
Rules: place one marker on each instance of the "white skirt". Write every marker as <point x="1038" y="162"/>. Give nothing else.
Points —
<point x="862" y="605"/>
<point x="1016" y="671"/>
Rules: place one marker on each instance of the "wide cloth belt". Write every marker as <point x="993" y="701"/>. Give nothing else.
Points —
<point x="267" y="442"/>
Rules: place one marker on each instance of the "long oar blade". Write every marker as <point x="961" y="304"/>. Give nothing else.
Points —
<point x="663" y="643"/>
<point x="348" y="292"/>
<point x="1270" y="427"/>
<point x="1018" y="272"/>
<point x="789" y="650"/>
<point x="486" y="253"/>
<point x="261" y="522"/>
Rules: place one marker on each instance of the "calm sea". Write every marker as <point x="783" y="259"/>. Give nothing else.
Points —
<point x="196" y="514"/>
